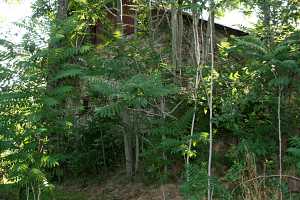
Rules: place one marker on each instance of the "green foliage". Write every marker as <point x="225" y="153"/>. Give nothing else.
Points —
<point x="196" y="185"/>
<point x="250" y="113"/>
<point x="294" y="150"/>
<point x="173" y="146"/>
<point x="8" y="191"/>
<point x="66" y="101"/>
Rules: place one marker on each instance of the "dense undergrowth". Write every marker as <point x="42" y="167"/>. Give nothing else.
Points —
<point x="80" y="98"/>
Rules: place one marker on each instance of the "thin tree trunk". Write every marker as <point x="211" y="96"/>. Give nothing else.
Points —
<point x="120" y="8"/>
<point x="126" y="117"/>
<point x="150" y="23"/>
<point x="279" y="139"/>
<point x="177" y="35"/>
<point x="137" y="142"/>
<point x="191" y="134"/>
<point x="103" y="150"/>
<point x="163" y="110"/>
<point x="128" y="154"/>
<point x="27" y="192"/>
<point x="179" y="41"/>
<point x="210" y="35"/>
<point x="266" y="9"/>
<point x="197" y="58"/>
<point x="62" y="9"/>
<point x="33" y="192"/>
<point x="174" y="26"/>
<point x="128" y="146"/>
<point x="211" y="24"/>
<point x="39" y="193"/>
<point x="137" y="153"/>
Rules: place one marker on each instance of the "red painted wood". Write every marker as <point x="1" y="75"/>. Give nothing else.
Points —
<point x="128" y="21"/>
<point x="128" y="18"/>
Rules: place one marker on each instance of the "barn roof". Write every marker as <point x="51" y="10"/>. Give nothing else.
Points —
<point x="219" y="25"/>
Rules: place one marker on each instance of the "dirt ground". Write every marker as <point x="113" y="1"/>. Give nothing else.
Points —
<point x="118" y="188"/>
<point x="134" y="191"/>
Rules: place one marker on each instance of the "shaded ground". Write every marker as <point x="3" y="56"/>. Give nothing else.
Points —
<point x="118" y="188"/>
<point x="134" y="192"/>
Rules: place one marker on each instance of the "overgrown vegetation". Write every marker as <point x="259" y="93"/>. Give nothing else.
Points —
<point x="152" y="89"/>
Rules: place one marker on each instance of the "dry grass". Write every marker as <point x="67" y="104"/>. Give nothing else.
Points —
<point x="253" y="188"/>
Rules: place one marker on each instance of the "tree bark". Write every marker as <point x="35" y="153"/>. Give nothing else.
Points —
<point x="163" y="110"/>
<point x="126" y="116"/>
<point x="179" y="40"/>
<point x="279" y="139"/>
<point x="266" y="10"/>
<point x="128" y="154"/>
<point x="174" y="26"/>
<point x="197" y="78"/>
<point x="177" y="35"/>
<point x="62" y="9"/>
<point x="103" y="151"/>
<point x="211" y="24"/>
<point x="61" y="15"/>
<point x="137" y="153"/>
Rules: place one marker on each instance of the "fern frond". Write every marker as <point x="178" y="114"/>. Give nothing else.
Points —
<point x="49" y="161"/>
<point x="73" y="72"/>
<point x="62" y="90"/>
<point x="50" y="101"/>
<point x="104" y="88"/>
<point x="109" y="110"/>
<point x="249" y="46"/>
